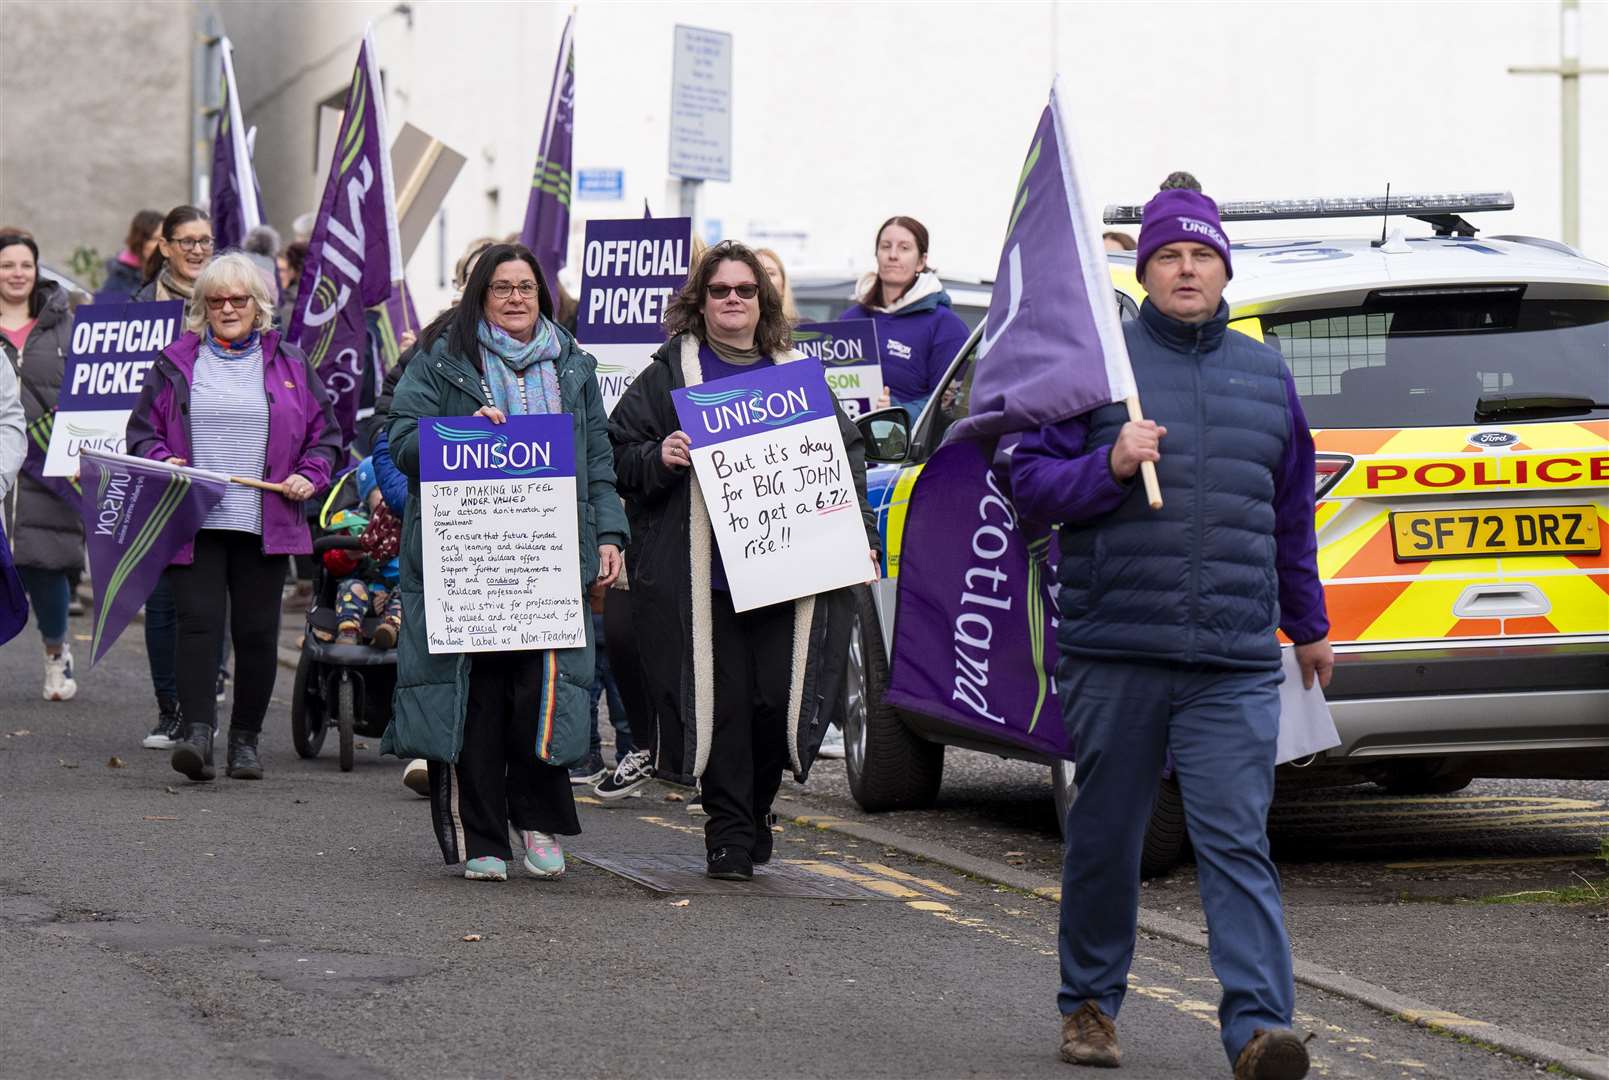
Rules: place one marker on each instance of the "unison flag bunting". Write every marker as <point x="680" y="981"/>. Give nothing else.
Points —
<point x="236" y="199"/>
<point x="39" y="433"/>
<point x="137" y="515"/>
<point x="547" y="214"/>
<point x="974" y="643"/>
<point x="354" y="254"/>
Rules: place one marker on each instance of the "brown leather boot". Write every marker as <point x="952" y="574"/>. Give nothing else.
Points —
<point x="1279" y="1054"/>
<point x="1088" y="1037"/>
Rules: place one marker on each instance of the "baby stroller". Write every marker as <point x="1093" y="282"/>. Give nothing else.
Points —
<point x="344" y="686"/>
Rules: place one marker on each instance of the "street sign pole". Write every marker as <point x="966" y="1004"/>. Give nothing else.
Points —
<point x="1569" y="71"/>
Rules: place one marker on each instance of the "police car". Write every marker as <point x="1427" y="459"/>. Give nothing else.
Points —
<point x="1457" y="386"/>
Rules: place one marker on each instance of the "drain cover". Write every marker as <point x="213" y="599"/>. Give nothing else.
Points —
<point x="684" y="875"/>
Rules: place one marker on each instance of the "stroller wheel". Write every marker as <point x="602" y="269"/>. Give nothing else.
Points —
<point x="346" y="716"/>
<point x="309" y="711"/>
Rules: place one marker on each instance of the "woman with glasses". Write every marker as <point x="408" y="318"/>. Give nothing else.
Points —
<point x="739" y="697"/>
<point x="231" y="396"/>
<point x="41" y="520"/>
<point x="500" y="729"/>
<point x="183" y="250"/>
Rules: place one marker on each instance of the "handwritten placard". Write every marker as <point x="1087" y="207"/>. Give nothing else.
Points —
<point x="502" y="558"/>
<point x="777" y="483"/>
<point x="850" y="352"/>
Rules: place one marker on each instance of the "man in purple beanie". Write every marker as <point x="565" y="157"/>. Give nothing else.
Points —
<point x="1167" y="635"/>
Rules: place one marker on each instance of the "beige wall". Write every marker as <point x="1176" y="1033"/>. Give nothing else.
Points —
<point x="94" y="119"/>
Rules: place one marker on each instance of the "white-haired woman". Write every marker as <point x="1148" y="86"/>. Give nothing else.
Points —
<point x="229" y="395"/>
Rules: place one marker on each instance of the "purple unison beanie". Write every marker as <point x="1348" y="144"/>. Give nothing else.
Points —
<point x="1177" y="216"/>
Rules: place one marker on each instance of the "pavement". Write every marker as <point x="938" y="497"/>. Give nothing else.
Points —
<point x="304" y="927"/>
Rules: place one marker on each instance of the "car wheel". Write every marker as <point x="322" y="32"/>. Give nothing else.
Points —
<point x="1167" y="841"/>
<point x="1428" y="776"/>
<point x="889" y="767"/>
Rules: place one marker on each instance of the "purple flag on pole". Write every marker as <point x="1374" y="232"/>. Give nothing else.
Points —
<point x="236" y="199"/>
<point x="974" y="643"/>
<point x="1053" y="346"/>
<point x="13" y="601"/>
<point x="396" y="318"/>
<point x="38" y="433"/>
<point x="137" y="515"/>
<point x="975" y="640"/>
<point x="547" y="214"/>
<point x="354" y="255"/>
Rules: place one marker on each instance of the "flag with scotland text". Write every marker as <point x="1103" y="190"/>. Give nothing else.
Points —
<point x="974" y="644"/>
<point x="547" y="214"/>
<point x="236" y="199"/>
<point x="137" y="514"/>
<point x="13" y="600"/>
<point x="354" y="255"/>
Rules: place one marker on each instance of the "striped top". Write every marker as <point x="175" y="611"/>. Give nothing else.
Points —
<point x="229" y="427"/>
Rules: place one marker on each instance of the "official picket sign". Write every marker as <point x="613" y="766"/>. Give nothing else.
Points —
<point x="776" y="480"/>
<point x="853" y="356"/>
<point x="630" y="270"/>
<point x="502" y="558"/>
<point x="113" y="346"/>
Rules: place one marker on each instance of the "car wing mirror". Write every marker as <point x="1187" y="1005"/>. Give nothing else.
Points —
<point x="887" y="434"/>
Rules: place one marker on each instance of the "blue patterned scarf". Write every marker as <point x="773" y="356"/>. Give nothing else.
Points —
<point x="523" y="377"/>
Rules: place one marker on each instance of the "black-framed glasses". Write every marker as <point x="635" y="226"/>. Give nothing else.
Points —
<point x="720" y="292"/>
<point x="191" y="243"/>
<point x="218" y="303"/>
<point x="504" y="289"/>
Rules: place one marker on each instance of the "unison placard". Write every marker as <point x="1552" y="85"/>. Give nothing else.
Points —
<point x="113" y="346"/>
<point x="850" y="351"/>
<point x="630" y="270"/>
<point x="776" y="480"/>
<point x="501" y="552"/>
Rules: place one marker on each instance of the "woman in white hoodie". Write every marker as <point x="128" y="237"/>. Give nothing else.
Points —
<point x="919" y="332"/>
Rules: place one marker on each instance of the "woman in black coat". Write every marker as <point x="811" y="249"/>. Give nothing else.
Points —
<point x="739" y="696"/>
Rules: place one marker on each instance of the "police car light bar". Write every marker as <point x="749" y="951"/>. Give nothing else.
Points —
<point x="1435" y="204"/>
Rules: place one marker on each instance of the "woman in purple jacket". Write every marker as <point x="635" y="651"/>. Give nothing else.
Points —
<point x="919" y="332"/>
<point x="232" y="397"/>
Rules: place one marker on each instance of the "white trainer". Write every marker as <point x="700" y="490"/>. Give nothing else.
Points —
<point x="59" y="682"/>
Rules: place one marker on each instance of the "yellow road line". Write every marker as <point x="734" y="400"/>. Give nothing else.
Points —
<point x="1494" y="860"/>
<point x="900" y="875"/>
<point x="1533" y="821"/>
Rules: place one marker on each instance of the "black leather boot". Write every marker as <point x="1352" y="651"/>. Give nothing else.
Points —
<point x="244" y="764"/>
<point x="193" y="755"/>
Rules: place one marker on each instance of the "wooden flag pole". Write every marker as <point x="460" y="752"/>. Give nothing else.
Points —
<point x="264" y="485"/>
<point x="1153" y="490"/>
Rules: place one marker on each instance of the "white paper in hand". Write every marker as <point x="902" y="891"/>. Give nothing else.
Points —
<point x="1305" y="725"/>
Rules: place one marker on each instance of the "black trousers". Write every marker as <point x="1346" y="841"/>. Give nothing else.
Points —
<point x="231" y="582"/>
<point x="620" y="641"/>
<point x="498" y="780"/>
<point x="749" y="750"/>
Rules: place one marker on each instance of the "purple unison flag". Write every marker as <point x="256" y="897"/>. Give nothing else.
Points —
<point x="547" y="214"/>
<point x="38" y="434"/>
<point x="974" y="643"/>
<point x="13" y="601"/>
<point x="975" y="637"/>
<point x="396" y="317"/>
<point x="354" y="255"/>
<point x="1053" y="346"/>
<point x="236" y="199"/>
<point x="137" y="515"/>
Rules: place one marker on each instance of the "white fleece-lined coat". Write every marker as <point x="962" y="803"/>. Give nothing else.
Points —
<point x="669" y="560"/>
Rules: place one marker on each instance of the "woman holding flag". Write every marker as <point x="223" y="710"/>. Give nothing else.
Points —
<point x="230" y="396"/>
<point x="500" y="729"/>
<point x="41" y="516"/>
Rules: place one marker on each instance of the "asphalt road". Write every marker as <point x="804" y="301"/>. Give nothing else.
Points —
<point x="304" y="927"/>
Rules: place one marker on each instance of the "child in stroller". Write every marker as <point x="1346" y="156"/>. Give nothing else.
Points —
<point x="367" y="585"/>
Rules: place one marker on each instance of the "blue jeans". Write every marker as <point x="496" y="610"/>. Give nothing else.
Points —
<point x="603" y="682"/>
<point x="1221" y="727"/>
<point x="48" y="592"/>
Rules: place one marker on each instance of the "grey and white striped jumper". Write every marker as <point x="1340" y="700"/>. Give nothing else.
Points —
<point x="229" y="428"/>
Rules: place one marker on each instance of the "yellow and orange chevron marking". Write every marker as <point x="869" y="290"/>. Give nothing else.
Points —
<point x="1374" y="598"/>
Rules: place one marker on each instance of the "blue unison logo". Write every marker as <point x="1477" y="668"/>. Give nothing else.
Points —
<point x="463" y="450"/>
